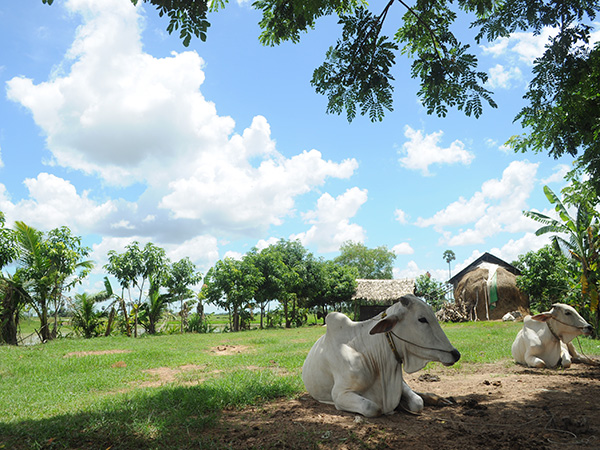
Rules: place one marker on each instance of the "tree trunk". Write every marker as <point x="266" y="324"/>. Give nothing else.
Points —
<point x="9" y="319"/>
<point x="181" y="312"/>
<point x="262" y="314"/>
<point x="236" y="320"/>
<point x="8" y="327"/>
<point x="111" y="318"/>
<point x="285" y="313"/>
<point x="44" y="328"/>
<point x="151" y="326"/>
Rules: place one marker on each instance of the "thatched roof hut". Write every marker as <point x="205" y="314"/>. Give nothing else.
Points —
<point x="373" y="296"/>
<point x="383" y="291"/>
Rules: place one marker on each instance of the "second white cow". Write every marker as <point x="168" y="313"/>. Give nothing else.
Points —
<point x="357" y="366"/>
<point x="545" y="339"/>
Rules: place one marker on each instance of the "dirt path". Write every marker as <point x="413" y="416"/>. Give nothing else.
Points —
<point x="497" y="406"/>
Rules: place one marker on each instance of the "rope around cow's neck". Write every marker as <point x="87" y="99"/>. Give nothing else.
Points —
<point x="390" y="340"/>
<point x="553" y="332"/>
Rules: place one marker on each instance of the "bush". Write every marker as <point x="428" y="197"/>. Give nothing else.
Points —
<point x="199" y="324"/>
<point x="275" y="319"/>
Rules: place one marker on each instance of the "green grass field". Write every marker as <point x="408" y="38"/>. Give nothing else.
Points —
<point x="163" y="391"/>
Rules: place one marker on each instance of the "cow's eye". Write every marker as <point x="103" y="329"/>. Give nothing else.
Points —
<point x="568" y="313"/>
<point x="423" y="320"/>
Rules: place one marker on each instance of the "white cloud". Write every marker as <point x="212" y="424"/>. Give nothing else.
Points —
<point x="491" y="142"/>
<point x="420" y="151"/>
<point x="401" y="216"/>
<point x="330" y="221"/>
<point x="496" y="208"/>
<point x="403" y="248"/>
<point x="1" y="162"/>
<point x="119" y="113"/>
<point x="560" y="171"/>
<point x="122" y="224"/>
<point x="513" y="248"/>
<point x="459" y="212"/>
<point x="411" y="270"/>
<point x="525" y="47"/>
<point x="236" y="196"/>
<point x="496" y="48"/>
<point x="202" y="250"/>
<point x="54" y="202"/>
<point x="264" y="243"/>
<point x="501" y="77"/>
<point x="233" y="255"/>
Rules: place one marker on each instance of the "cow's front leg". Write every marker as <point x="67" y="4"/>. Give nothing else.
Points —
<point x="410" y="400"/>
<point x="565" y="356"/>
<point x="534" y="361"/>
<point x="354" y="402"/>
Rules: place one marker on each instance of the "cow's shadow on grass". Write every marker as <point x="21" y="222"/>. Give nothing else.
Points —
<point x="172" y="417"/>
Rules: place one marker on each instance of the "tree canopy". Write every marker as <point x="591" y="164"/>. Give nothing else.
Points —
<point x="544" y="277"/>
<point x="371" y="263"/>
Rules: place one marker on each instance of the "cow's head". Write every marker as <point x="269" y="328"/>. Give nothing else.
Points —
<point x="567" y="323"/>
<point x="416" y="334"/>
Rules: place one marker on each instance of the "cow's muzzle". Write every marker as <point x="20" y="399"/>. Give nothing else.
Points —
<point x="456" y="355"/>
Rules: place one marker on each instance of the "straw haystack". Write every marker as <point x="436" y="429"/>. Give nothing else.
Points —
<point x="488" y="290"/>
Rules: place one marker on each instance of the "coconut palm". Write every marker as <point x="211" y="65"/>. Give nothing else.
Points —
<point x="86" y="319"/>
<point x="578" y="236"/>
<point x="152" y="311"/>
<point x="449" y="256"/>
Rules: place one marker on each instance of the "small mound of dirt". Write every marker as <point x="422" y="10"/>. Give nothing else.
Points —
<point x="227" y="349"/>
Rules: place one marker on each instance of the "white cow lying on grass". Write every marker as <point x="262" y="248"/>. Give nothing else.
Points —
<point x="357" y="366"/>
<point x="545" y="339"/>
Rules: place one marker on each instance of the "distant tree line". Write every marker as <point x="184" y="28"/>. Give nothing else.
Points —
<point x="49" y="265"/>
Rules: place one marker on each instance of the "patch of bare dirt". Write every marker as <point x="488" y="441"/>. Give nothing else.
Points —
<point x="227" y="349"/>
<point x="494" y="406"/>
<point x="100" y="352"/>
<point x="191" y="374"/>
<point x="166" y="375"/>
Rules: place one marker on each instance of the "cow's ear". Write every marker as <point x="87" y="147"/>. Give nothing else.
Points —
<point x="384" y="325"/>
<point x="543" y="317"/>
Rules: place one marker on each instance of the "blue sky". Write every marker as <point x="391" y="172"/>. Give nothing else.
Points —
<point x="112" y="127"/>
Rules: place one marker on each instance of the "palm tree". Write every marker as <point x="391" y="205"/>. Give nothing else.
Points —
<point x="86" y="320"/>
<point x="449" y="256"/>
<point x="153" y="310"/>
<point x="577" y="236"/>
